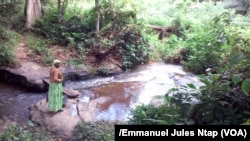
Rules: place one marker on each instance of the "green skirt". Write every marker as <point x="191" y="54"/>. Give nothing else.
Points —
<point x="55" y="96"/>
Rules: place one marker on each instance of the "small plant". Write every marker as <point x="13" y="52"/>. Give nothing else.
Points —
<point x="222" y="101"/>
<point x="77" y="63"/>
<point x="172" y="112"/>
<point x="38" y="48"/>
<point x="16" y="132"/>
<point x="96" y="131"/>
<point x="9" y="41"/>
<point x="205" y="45"/>
<point x="247" y="122"/>
<point x="103" y="72"/>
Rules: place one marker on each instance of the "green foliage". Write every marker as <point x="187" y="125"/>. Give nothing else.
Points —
<point x="133" y="47"/>
<point x="102" y="71"/>
<point x="245" y="87"/>
<point x="15" y="132"/>
<point x="119" y="32"/>
<point x="204" y="41"/>
<point x="95" y="131"/>
<point x="197" y="40"/>
<point x="116" y="13"/>
<point x="77" y="63"/>
<point x="151" y="115"/>
<point x="205" y="46"/>
<point x="10" y="15"/>
<point x="9" y="40"/>
<point x="210" y="37"/>
<point x="222" y="102"/>
<point x="172" y="49"/>
<point x="172" y="112"/>
<point x="72" y="28"/>
<point x="223" y="99"/>
<point x="120" y="36"/>
<point x="38" y="47"/>
<point x="156" y="48"/>
<point x="157" y="12"/>
<point x="247" y="122"/>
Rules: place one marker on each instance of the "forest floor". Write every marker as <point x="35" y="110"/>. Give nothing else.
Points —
<point x="21" y="52"/>
<point x="90" y="60"/>
<point x="24" y="54"/>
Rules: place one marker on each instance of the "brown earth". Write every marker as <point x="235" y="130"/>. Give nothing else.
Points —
<point x="91" y="59"/>
<point x="24" y="54"/>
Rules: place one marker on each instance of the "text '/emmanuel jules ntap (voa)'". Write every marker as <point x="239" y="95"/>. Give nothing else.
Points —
<point x="183" y="132"/>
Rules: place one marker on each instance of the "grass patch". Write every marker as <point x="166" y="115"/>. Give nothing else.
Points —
<point x="38" y="49"/>
<point x="97" y="131"/>
<point x="9" y="41"/>
<point x="31" y="132"/>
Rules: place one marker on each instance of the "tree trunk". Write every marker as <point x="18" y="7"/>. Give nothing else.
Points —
<point x="32" y="11"/>
<point x="97" y="10"/>
<point x="59" y="11"/>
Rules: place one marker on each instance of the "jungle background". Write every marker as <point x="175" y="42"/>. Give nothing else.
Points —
<point x="208" y="37"/>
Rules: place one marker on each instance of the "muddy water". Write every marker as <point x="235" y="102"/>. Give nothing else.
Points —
<point x="132" y="88"/>
<point x="124" y="91"/>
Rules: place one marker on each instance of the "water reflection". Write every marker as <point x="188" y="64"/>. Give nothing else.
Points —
<point x="115" y="111"/>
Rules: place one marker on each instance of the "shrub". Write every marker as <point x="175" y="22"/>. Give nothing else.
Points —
<point x="222" y="101"/>
<point x="172" y="112"/>
<point x="9" y="41"/>
<point x="205" y="45"/>
<point x="71" y="30"/>
<point x="16" y="132"/>
<point x="39" y="48"/>
<point x="10" y="15"/>
<point x="95" y="131"/>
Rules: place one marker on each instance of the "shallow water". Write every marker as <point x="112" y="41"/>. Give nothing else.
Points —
<point x="15" y="102"/>
<point x="132" y="88"/>
<point x="125" y="91"/>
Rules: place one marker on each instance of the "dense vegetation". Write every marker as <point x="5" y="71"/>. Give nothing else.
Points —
<point x="120" y="33"/>
<point x="30" y="132"/>
<point x="217" y="49"/>
<point x="215" y="46"/>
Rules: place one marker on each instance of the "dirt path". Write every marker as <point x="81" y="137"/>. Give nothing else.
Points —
<point x="24" y="54"/>
<point x="21" y="52"/>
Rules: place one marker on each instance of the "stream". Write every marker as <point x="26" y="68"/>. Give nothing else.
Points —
<point x="125" y="91"/>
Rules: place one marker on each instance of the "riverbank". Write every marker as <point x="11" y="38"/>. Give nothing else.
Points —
<point x="110" y="98"/>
